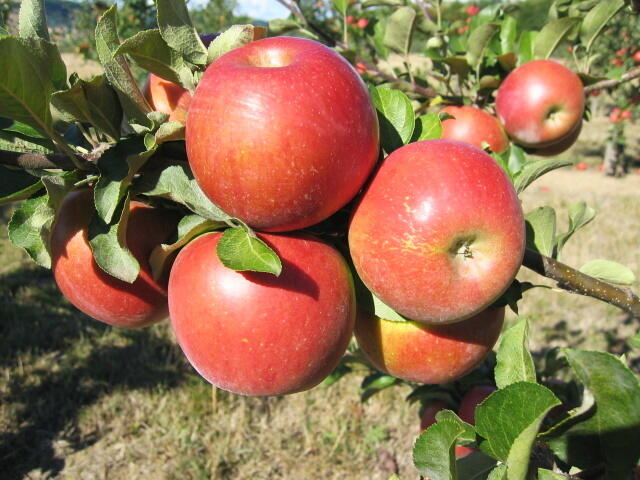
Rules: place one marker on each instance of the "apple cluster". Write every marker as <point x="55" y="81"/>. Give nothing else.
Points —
<point x="282" y="134"/>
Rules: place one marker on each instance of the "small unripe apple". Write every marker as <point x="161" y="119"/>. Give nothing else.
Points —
<point x="92" y="290"/>
<point x="540" y="102"/>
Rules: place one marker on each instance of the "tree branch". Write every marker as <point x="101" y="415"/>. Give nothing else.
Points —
<point x="414" y="87"/>
<point x="32" y="161"/>
<point x="574" y="281"/>
<point x="300" y="16"/>
<point x="630" y="75"/>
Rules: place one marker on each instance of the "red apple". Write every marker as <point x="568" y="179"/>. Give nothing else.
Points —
<point x="636" y="56"/>
<point x="560" y="146"/>
<point x="281" y="133"/>
<point x="472" y="10"/>
<point x="94" y="291"/>
<point x="258" y="334"/>
<point x="540" y="102"/>
<point x="471" y="400"/>
<point x="428" y="354"/>
<point x="582" y="166"/>
<point x="625" y="114"/>
<point x="167" y="97"/>
<point x="350" y="19"/>
<point x="439" y="233"/>
<point x="474" y="126"/>
<point x="362" y="23"/>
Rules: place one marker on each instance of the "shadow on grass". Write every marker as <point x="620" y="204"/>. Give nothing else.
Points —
<point x="56" y="361"/>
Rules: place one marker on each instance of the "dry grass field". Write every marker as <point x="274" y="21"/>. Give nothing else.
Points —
<point x="82" y="401"/>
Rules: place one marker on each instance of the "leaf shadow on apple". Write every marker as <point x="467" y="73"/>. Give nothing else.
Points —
<point x="69" y="362"/>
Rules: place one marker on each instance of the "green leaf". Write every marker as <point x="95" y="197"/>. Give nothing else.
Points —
<point x="634" y="342"/>
<point x="508" y="34"/>
<point x="58" y="186"/>
<point x="433" y="452"/>
<point x="108" y="242"/>
<point x="173" y="180"/>
<point x="32" y="20"/>
<point x="596" y="20"/>
<point x="341" y="6"/>
<point x="90" y="101"/>
<point x="551" y="35"/>
<point x="178" y="31"/>
<point x="476" y="466"/>
<point x="541" y="230"/>
<point x="280" y="26"/>
<point x="399" y="30"/>
<point x="117" y="166"/>
<point x="531" y="171"/>
<point x="384" y="311"/>
<point x="579" y="215"/>
<point x="240" y="250"/>
<point x="17" y="185"/>
<point x="509" y="420"/>
<point x="30" y="228"/>
<point x="395" y="115"/>
<point x="232" y="38"/>
<point x="609" y="271"/>
<point x="498" y="473"/>
<point x="169" y="132"/>
<point x="375" y="383"/>
<point x="478" y="42"/>
<point x="117" y="69"/>
<point x="149" y="50"/>
<point x="25" y="85"/>
<point x="15" y="142"/>
<point x="428" y="127"/>
<point x="189" y="228"/>
<point x="525" y="46"/>
<point x="544" y="474"/>
<point x="612" y="434"/>
<point x="514" y="362"/>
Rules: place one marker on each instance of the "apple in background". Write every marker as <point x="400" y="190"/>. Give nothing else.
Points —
<point x="636" y="56"/>
<point x="625" y="115"/>
<point x="281" y="133"/>
<point x="614" y="116"/>
<point x="257" y="334"/>
<point x="167" y="97"/>
<point x="540" y="102"/>
<point x="94" y="291"/>
<point x="419" y="353"/>
<point x="471" y="399"/>
<point x="439" y="233"/>
<point x="474" y="126"/>
<point x="472" y="10"/>
<point x="362" y="23"/>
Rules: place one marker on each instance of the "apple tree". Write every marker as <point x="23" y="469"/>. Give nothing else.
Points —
<point x="437" y="74"/>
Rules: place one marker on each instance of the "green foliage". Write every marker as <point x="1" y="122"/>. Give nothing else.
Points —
<point x="240" y="249"/>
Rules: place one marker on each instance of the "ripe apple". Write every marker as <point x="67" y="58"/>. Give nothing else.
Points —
<point x="167" y="97"/>
<point x="626" y="114"/>
<point x="281" y="133"/>
<point x="540" y="102"/>
<point x="472" y="10"/>
<point x="94" y="291"/>
<point x="419" y="353"/>
<point x="439" y="233"/>
<point x="362" y="23"/>
<point x="474" y="126"/>
<point x="257" y="334"/>
<point x="471" y="400"/>
<point x="558" y="147"/>
<point x="636" y="56"/>
<point x="614" y="116"/>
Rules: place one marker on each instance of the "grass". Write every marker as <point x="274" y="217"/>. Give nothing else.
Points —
<point x="82" y="401"/>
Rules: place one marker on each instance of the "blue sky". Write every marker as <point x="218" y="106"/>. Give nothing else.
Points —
<point x="262" y="9"/>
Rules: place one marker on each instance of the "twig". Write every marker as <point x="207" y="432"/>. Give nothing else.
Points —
<point x="630" y="75"/>
<point x="38" y="160"/>
<point x="574" y="281"/>
<point x="414" y="87"/>
<point x="298" y="13"/>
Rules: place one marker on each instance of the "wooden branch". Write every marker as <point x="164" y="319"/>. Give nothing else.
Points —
<point x="628" y="76"/>
<point x="574" y="281"/>
<point x="414" y="87"/>
<point x="289" y="5"/>
<point x="34" y="161"/>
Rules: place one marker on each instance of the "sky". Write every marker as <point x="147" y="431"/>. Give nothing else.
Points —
<point x="262" y="9"/>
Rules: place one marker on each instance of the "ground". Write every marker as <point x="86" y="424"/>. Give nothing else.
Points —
<point x="83" y="401"/>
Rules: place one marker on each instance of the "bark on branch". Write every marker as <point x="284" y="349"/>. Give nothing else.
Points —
<point x="574" y="281"/>
<point x="628" y="76"/>
<point x="33" y="161"/>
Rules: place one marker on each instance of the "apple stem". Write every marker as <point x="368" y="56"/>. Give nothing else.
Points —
<point x="575" y="281"/>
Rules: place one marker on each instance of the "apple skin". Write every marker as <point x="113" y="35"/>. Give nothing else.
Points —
<point x="560" y="146"/>
<point x="474" y="126"/>
<point x="281" y="133"/>
<point x="415" y="352"/>
<point x="167" y="97"/>
<point x="540" y="102"/>
<point x="439" y="233"/>
<point x="256" y="334"/>
<point x="95" y="292"/>
<point x="471" y="400"/>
